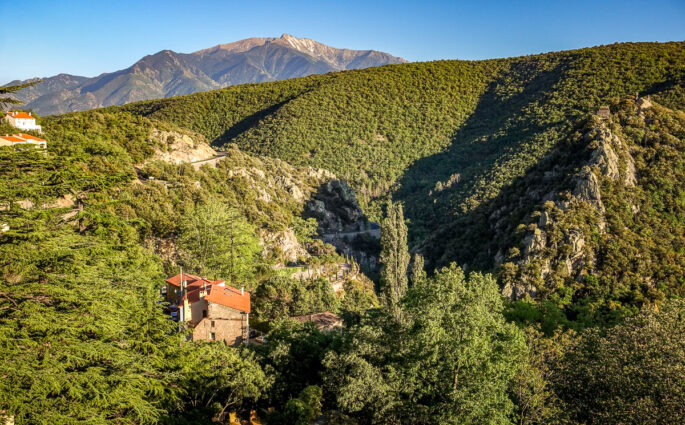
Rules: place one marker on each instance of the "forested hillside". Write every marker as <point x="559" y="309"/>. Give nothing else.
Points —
<point x="545" y="192"/>
<point x="455" y="141"/>
<point x="369" y="126"/>
<point x="93" y="226"/>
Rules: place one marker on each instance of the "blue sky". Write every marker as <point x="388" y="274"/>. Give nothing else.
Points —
<point x="91" y="37"/>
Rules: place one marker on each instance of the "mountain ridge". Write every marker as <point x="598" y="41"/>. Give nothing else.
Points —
<point x="168" y="73"/>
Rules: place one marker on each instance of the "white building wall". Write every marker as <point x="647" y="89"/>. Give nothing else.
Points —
<point x="24" y="123"/>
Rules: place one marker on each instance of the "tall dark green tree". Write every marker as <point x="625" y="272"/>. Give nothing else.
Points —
<point x="394" y="258"/>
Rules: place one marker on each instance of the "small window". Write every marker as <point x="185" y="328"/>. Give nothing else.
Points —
<point x="212" y="336"/>
<point x="212" y="323"/>
<point x="204" y="313"/>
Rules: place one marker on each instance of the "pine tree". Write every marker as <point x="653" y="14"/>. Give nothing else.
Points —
<point x="394" y="258"/>
<point x="6" y="99"/>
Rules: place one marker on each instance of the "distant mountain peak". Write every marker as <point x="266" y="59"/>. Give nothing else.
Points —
<point x="303" y="44"/>
<point x="168" y="73"/>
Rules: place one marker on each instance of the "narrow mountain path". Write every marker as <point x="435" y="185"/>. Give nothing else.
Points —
<point x="211" y="161"/>
<point x="375" y="233"/>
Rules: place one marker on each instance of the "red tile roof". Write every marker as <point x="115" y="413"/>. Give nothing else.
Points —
<point x="13" y="139"/>
<point x="193" y="297"/>
<point x="204" y="282"/>
<point x="217" y="292"/>
<point x="176" y="280"/>
<point x="230" y="297"/>
<point x="28" y="136"/>
<point x="20" y="115"/>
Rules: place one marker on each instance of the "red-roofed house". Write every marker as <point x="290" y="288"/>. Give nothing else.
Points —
<point x="173" y="286"/>
<point x="215" y="311"/>
<point x="19" y="139"/>
<point x="22" y="120"/>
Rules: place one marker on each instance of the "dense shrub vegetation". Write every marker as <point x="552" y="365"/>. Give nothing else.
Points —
<point x="371" y="126"/>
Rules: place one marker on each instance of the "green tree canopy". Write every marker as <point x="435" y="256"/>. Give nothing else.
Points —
<point x="451" y="363"/>
<point x="219" y="242"/>
<point x="632" y="373"/>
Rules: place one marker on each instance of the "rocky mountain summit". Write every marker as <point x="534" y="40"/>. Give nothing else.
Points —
<point x="168" y="73"/>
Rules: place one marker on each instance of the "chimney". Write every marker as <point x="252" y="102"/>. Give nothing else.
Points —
<point x="242" y="290"/>
<point x="187" y="315"/>
<point x="30" y="114"/>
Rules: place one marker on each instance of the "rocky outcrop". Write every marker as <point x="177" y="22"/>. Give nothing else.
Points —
<point x="285" y="243"/>
<point x="631" y="173"/>
<point x="499" y="258"/>
<point x="612" y="158"/>
<point x="544" y="220"/>
<point x="165" y="248"/>
<point x="643" y="104"/>
<point x="66" y="201"/>
<point x="577" y="258"/>
<point x="320" y="174"/>
<point x="533" y="243"/>
<point x="343" y="224"/>
<point x="587" y="189"/>
<point x="541" y="251"/>
<point x="605" y="157"/>
<point x="336" y="209"/>
<point x="516" y="292"/>
<point x="293" y="189"/>
<point x="176" y="148"/>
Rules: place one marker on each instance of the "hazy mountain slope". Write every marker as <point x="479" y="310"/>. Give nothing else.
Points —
<point x="168" y="73"/>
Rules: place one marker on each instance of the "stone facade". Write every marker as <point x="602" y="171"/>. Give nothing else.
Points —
<point x="222" y="324"/>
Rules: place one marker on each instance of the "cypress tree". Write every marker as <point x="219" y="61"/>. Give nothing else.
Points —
<point x="418" y="274"/>
<point x="394" y="258"/>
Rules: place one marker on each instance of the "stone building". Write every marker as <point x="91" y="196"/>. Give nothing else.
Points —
<point x="604" y="112"/>
<point x="215" y="311"/>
